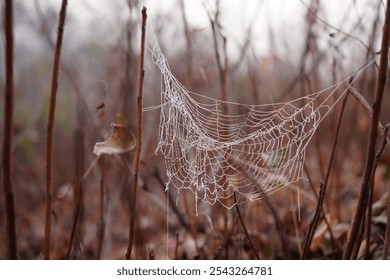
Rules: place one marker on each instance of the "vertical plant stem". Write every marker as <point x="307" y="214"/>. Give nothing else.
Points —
<point x="355" y="251"/>
<point x="77" y="210"/>
<point x="151" y="254"/>
<point x="50" y="127"/>
<point x="244" y="228"/>
<point x="371" y="193"/>
<point x="314" y="221"/>
<point x="139" y="137"/>
<point x="171" y="201"/>
<point x="187" y="35"/>
<point x="370" y="157"/>
<point x="222" y="68"/>
<point x="102" y="224"/>
<point x="313" y="224"/>
<point x="177" y="246"/>
<point x="8" y="123"/>
<point x="279" y="228"/>
<point x="387" y="234"/>
<point x="78" y="190"/>
<point x="368" y="222"/>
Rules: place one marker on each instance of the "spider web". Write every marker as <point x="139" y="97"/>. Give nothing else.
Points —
<point x="239" y="157"/>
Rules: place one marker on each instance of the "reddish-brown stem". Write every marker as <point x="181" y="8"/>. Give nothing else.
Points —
<point x="313" y="224"/>
<point x="279" y="228"/>
<point x="355" y="251"/>
<point x="151" y="254"/>
<point x="387" y="234"/>
<point x="222" y="68"/>
<point x="139" y="137"/>
<point x="244" y="227"/>
<point x="7" y="140"/>
<point x="188" y="44"/>
<point x="50" y="127"/>
<point x="335" y="244"/>
<point x="171" y="201"/>
<point x="371" y="193"/>
<point x="102" y="224"/>
<point x="359" y="97"/>
<point x="177" y="246"/>
<point x="78" y="186"/>
<point x="368" y="222"/>
<point x="370" y="158"/>
<point x="76" y="216"/>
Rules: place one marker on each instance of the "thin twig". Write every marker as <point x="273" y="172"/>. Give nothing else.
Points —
<point x="371" y="194"/>
<point x="359" y="97"/>
<point x="279" y="228"/>
<point x="355" y="251"/>
<point x="387" y="234"/>
<point x="139" y="137"/>
<point x="314" y="14"/>
<point x="102" y="223"/>
<point x="278" y="222"/>
<point x="313" y="224"/>
<point x="8" y="125"/>
<point x="76" y="217"/>
<point x="151" y="254"/>
<point x="50" y="127"/>
<point x="177" y="246"/>
<point x="368" y="222"/>
<point x="187" y="35"/>
<point x="244" y="227"/>
<point x="368" y="170"/>
<point x="77" y="186"/>
<point x="222" y="68"/>
<point x="335" y="244"/>
<point x="171" y="201"/>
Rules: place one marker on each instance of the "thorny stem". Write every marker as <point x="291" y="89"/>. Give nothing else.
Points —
<point x="139" y="137"/>
<point x="368" y="170"/>
<point x="8" y="119"/>
<point x="50" y="127"/>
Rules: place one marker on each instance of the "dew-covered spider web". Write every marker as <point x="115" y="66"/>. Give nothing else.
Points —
<point x="237" y="157"/>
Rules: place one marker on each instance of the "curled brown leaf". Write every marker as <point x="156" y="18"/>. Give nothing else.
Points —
<point x="120" y="141"/>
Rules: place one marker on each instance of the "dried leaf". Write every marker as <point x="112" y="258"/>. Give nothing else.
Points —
<point x="380" y="205"/>
<point x="321" y="230"/>
<point x="120" y="141"/>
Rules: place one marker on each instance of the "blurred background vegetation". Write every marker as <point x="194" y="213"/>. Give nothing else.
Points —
<point x="275" y="52"/>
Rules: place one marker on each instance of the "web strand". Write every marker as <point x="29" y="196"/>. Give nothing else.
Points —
<point x="251" y="153"/>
